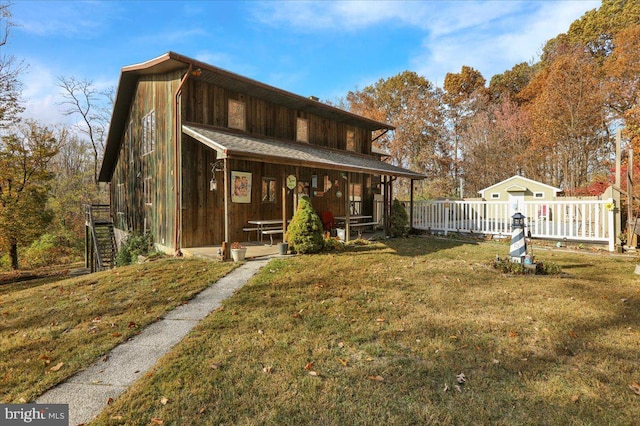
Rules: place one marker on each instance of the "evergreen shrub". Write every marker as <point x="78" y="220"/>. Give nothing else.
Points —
<point x="305" y="232"/>
<point x="399" y="220"/>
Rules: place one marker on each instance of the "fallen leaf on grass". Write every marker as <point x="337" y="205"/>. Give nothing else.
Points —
<point x="267" y="369"/>
<point x="164" y="400"/>
<point x="513" y="334"/>
<point x="380" y="320"/>
<point x="116" y="334"/>
<point x="57" y="367"/>
<point x="377" y="378"/>
<point x="573" y="334"/>
<point x="157" y="421"/>
<point x="116" y="417"/>
<point x="45" y="359"/>
<point x="575" y="398"/>
<point x="461" y="378"/>
<point x="458" y="388"/>
<point x="635" y="387"/>
<point x="202" y="410"/>
<point x="109" y="401"/>
<point x="132" y="325"/>
<point x="446" y="388"/>
<point x="314" y="373"/>
<point x="215" y="366"/>
<point x="343" y="362"/>
<point x="309" y="366"/>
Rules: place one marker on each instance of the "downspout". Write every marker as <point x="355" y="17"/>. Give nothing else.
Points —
<point x="177" y="159"/>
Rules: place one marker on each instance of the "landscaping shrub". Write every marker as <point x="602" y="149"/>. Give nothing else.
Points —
<point x="134" y="246"/>
<point x="305" y="232"/>
<point x="399" y="220"/>
<point x="542" y="268"/>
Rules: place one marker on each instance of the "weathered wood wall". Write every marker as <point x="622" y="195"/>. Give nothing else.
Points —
<point x="153" y="93"/>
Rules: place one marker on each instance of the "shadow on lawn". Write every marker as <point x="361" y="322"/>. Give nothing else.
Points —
<point x="419" y="246"/>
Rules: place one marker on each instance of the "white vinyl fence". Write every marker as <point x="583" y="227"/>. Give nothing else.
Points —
<point x="575" y="220"/>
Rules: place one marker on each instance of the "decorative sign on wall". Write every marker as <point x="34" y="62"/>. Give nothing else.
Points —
<point x="291" y="181"/>
<point x="240" y="187"/>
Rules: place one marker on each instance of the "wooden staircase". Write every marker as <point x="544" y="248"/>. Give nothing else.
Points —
<point x="100" y="241"/>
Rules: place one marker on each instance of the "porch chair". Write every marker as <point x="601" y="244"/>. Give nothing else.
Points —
<point x="328" y="222"/>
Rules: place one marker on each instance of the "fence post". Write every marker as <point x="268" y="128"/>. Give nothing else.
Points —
<point x="446" y="219"/>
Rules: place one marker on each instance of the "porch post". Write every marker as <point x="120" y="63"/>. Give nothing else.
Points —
<point x="385" y="206"/>
<point x="284" y="206"/>
<point x="347" y="226"/>
<point x="411" y="206"/>
<point x="227" y="216"/>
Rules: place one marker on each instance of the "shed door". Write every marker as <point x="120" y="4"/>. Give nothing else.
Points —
<point x="516" y="201"/>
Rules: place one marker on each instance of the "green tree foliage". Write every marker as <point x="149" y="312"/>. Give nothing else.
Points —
<point x="24" y="184"/>
<point x="511" y="82"/>
<point x="399" y="223"/>
<point x="597" y="28"/>
<point x="305" y="232"/>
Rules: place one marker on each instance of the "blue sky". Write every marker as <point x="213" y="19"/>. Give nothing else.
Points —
<point x="323" y="49"/>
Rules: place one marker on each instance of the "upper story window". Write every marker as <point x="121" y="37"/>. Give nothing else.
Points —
<point x="302" y="130"/>
<point x="148" y="133"/>
<point x="237" y="115"/>
<point x="538" y="195"/>
<point x="351" y="140"/>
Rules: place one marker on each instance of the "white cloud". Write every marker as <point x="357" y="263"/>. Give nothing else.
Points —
<point x="41" y="95"/>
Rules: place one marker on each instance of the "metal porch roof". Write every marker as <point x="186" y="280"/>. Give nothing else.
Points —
<point x="246" y="147"/>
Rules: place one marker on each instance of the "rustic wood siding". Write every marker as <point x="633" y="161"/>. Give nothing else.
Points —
<point x="153" y="93"/>
<point x="208" y="104"/>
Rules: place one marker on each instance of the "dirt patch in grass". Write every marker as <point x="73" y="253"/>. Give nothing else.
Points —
<point x="51" y="331"/>
<point x="381" y="334"/>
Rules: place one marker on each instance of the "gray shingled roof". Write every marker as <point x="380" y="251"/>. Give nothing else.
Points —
<point x="269" y="150"/>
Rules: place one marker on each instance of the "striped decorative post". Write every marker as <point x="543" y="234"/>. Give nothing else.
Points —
<point x="518" y="244"/>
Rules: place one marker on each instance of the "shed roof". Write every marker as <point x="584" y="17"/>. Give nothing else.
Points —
<point x="242" y="146"/>
<point x="172" y="61"/>
<point x="516" y="181"/>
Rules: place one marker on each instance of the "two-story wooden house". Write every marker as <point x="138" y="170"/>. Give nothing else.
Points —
<point x="195" y="152"/>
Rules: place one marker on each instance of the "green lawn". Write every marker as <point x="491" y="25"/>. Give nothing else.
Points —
<point x="49" y="331"/>
<point x="379" y="334"/>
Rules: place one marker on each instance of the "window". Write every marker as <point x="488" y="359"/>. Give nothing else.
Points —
<point x="302" y="130"/>
<point x="495" y="195"/>
<point x="148" y="133"/>
<point x="351" y="140"/>
<point x="236" y="115"/>
<point x="268" y="190"/>
<point x="146" y="188"/>
<point x="538" y="195"/>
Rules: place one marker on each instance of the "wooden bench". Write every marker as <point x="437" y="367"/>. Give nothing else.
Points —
<point x="359" y="225"/>
<point x="272" y="232"/>
<point x="257" y="230"/>
<point x="250" y="230"/>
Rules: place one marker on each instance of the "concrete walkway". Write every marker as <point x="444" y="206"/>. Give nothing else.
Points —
<point x="88" y="391"/>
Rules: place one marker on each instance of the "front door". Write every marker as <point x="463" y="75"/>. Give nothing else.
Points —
<point x="516" y="202"/>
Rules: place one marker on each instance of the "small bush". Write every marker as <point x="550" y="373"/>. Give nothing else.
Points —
<point x="542" y="268"/>
<point x="132" y="247"/>
<point x="399" y="220"/>
<point x="47" y="250"/>
<point x="333" y="244"/>
<point x="305" y="232"/>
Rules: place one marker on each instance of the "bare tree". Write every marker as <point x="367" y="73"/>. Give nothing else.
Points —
<point x="82" y="98"/>
<point x="10" y="69"/>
